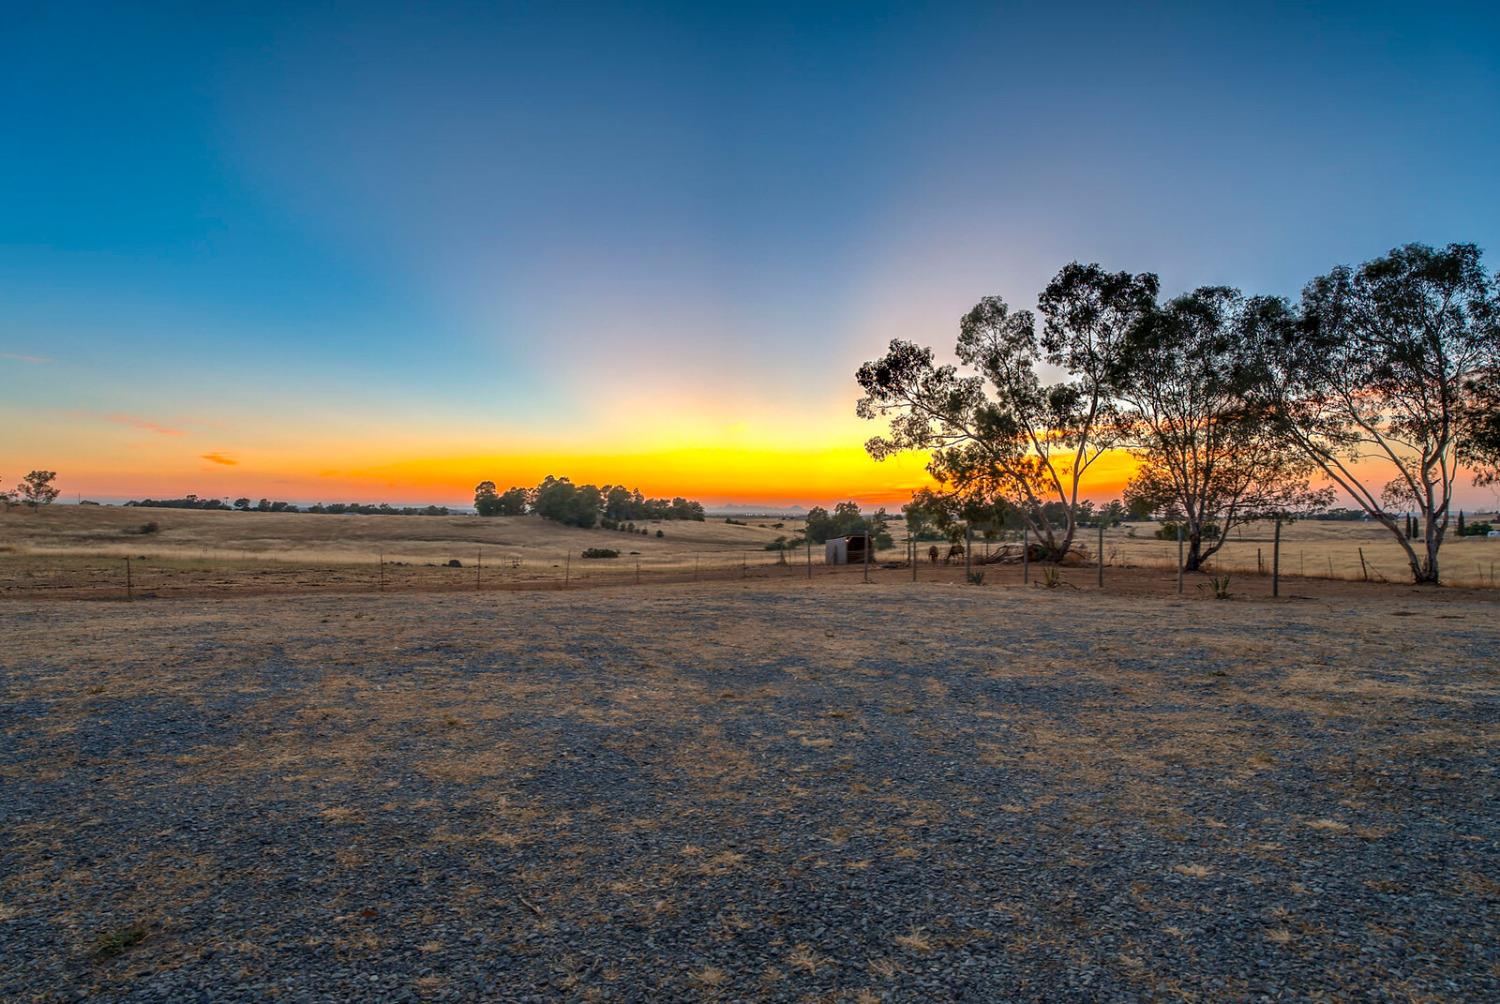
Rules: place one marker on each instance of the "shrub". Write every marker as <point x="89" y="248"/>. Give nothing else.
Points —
<point x="600" y="552"/>
<point x="976" y="578"/>
<point x="1168" y="531"/>
<point x="117" y="942"/>
<point x="661" y="533"/>
<point x="1477" y="529"/>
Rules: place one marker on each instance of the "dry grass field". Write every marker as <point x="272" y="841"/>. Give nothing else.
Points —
<point x="751" y="791"/>
<point x="72" y="551"/>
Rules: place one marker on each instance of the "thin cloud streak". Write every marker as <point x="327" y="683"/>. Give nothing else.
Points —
<point x="136" y="422"/>
<point x="219" y="458"/>
<point x="21" y="357"/>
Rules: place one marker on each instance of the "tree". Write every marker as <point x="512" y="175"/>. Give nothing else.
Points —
<point x="242" y="504"/>
<point x="847" y="521"/>
<point x="1203" y="451"/>
<point x="1031" y="443"/>
<point x="7" y="497"/>
<point x="1480" y="447"/>
<point x="1384" y="366"/>
<point x="486" y="501"/>
<point x="37" y="490"/>
<point x="513" y="502"/>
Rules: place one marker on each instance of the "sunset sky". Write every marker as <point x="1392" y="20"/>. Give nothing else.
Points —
<point x="382" y="252"/>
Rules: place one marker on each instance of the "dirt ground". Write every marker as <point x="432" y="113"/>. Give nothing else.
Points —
<point x="757" y="790"/>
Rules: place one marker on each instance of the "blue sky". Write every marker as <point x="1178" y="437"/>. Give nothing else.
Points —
<point x="337" y="244"/>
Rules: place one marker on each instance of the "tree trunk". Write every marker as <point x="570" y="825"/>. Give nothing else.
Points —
<point x="1194" y="560"/>
<point x="1429" y="570"/>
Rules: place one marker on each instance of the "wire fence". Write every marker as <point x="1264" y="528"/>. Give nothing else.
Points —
<point x="1133" y="563"/>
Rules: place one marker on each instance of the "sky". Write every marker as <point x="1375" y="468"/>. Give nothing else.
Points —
<point x="381" y="252"/>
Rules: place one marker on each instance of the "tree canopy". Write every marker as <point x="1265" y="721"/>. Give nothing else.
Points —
<point x="1204" y="451"/>
<point x="1002" y="434"/>
<point x="561" y="500"/>
<point x="1236" y="408"/>
<point x="1388" y="367"/>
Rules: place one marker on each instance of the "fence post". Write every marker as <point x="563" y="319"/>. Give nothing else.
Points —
<point x="1026" y="555"/>
<point x="968" y="553"/>
<point x="382" y="570"/>
<point x="637" y="571"/>
<point x="129" y="584"/>
<point x="807" y="533"/>
<point x="567" y="568"/>
<point x="1260" y="567"/>
<point x="1179" y="559"/>
<point x="478" y="567"/>
<point x="1276" y="561"/>
<point x="911" y="544"/>
<point x="1101" y="552"/>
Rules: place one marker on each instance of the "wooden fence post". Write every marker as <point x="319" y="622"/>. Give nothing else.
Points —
<point x="567" y="569"/>
<point x="1101" y="552"/>
<point x="129" y="583"/>
<point x="1276" y="561"/>
<point x="868" y="544"/>
<point x="382" y="571"/>
<point x="1026" y="555"/>
<point x="478" y="567"/>
<point x="808" y="534"/>
<point x="1180" y="560"/>
<point x="968" y="553"/>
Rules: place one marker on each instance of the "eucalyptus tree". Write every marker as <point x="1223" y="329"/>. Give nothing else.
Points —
<point x="1379" y="379"/>
<point x="1480" y="448"/>
<point x="1000" y="433"/>
<point x="1202" y="449"/>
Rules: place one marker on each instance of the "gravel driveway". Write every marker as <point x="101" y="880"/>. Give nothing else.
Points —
<point x="777" y="792"/>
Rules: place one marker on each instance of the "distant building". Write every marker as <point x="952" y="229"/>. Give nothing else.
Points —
<point x="845" y="550"/>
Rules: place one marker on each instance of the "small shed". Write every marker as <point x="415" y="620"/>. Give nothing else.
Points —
<point x="848" y="550"/>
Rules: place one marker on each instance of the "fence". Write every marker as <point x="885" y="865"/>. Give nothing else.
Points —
<point x="1135" y="563"/>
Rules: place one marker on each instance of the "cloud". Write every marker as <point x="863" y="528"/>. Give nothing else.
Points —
<point x="135" y="421"/>
<point x="21" y="357"/>
<point x="218" y="458"/>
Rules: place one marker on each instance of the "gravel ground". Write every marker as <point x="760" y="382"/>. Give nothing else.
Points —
<point x="778" y="792"/>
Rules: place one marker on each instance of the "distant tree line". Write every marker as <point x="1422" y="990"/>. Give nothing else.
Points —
<point x="266" y="505"/>
<point x="560" y="500"/>
<point x="1237" y="408"/>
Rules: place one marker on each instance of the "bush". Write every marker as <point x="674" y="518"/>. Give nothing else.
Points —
<point x="1477" y="529"/>
<point x="660" y="533"/>
<point x="1168" y="531"/>
<point x="600" y="552"/>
